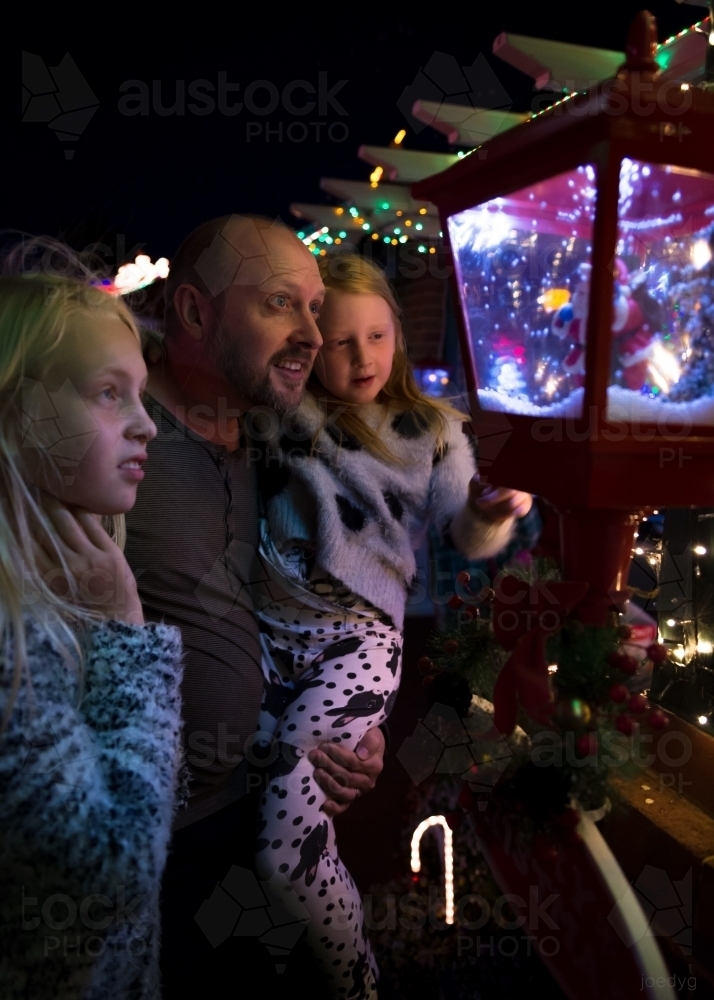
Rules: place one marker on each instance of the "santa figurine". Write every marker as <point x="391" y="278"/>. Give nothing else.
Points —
<point x="570" y="323"/>
<point x="637" y="317"/>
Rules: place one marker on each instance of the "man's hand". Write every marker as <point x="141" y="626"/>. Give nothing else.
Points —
<point x="345" y="774"/>
<point x="497" y="504"/>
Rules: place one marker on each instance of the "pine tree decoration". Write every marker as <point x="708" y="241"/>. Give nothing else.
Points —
<point x="693" y="299"/>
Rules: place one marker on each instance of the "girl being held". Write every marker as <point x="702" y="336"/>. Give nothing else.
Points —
<point x="89" y="694"/>
<point x="349" y="491"/>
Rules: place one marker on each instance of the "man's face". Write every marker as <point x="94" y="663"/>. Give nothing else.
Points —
<point x="267" y="336"/>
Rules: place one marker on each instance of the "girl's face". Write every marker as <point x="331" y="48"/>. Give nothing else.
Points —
<point x="359" y="338"/>
<point x="97" y="428"/>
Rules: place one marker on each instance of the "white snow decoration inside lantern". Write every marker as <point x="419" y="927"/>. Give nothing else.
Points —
<point x="133" y="276"/>
<point x="622" y="405"/>
<point x="628" y="405"/>
<point x="425" y="825"/>
<point x="571" y="406"/>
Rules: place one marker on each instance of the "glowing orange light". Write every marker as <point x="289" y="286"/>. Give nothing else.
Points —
<point x="554" y="298"/>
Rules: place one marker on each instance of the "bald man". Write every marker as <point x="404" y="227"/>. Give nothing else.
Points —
<point x="242" y="298"/>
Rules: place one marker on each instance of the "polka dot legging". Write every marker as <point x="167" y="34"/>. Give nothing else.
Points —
<point x="327" y="677"/>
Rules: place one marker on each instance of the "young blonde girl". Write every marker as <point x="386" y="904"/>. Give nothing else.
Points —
<point x="89" y="694"/>
<point x="351" y="487"/>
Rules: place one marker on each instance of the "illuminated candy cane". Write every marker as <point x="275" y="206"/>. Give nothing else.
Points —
<point x="448" y="859"/>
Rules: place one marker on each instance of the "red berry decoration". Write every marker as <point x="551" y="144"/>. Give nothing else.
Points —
<point x="451" y="646"/>
<point x="425" y="665"/>
<point x="543" y="849"/>
<point x="455" y="602"/>
<point x="587" y="745"/>
<point x="618" y="693"/>
<point x="568" y="819"/>
<point x="467" y="799"/>
<point x="454" y="819"/>
<point x="463" y="577"/>
<point x="657" y="652"/>
<point x="657" y="719"/>
<point x="625" y="725"/>
<point x="638" y="704"/>
<point x="623" y="662"/>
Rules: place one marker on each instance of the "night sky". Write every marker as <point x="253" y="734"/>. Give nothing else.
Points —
<point x="150" y="178"/>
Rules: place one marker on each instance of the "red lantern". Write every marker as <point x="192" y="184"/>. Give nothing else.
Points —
<point x="569" y="235"/>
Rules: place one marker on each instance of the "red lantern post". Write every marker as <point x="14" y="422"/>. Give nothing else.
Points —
<point x="569" y="236"/>
<point x="581" y="244"/>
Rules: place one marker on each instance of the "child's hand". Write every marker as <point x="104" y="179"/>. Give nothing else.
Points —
<point x="494" y="503"/>
<point x="100" y="576"/>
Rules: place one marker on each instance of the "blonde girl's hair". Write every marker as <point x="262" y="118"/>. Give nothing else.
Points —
<point x="36" y="311"/>
<point x="350" y="274"/>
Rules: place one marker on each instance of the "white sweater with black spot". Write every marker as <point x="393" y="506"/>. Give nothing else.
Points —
<point x="87" y="794"/>
<point x="367" y="517"/>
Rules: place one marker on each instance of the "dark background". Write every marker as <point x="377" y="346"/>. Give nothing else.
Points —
<point x="151" y="179"/>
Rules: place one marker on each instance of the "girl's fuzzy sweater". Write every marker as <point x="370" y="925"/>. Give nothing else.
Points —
<point x="87" y="795"/>
<point x="365" y="516"/>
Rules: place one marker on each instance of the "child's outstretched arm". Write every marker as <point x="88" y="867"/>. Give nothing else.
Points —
<point x="495" y="503"/>
<point x="479" y="519"/>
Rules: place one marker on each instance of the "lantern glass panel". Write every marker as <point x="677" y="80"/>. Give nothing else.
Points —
<point x="522" y="265"/>
<point x="662" y="363"/>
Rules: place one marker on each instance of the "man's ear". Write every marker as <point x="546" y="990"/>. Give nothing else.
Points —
<point x="192" y="308"/>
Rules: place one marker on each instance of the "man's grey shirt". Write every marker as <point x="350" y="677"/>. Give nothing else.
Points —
<point x="192" y="542"/>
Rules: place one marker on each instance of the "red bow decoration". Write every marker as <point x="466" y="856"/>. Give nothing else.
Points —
<point x="524" y="615"/>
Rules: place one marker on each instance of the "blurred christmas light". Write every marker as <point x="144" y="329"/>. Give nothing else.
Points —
<point x="701" y="254"/>
<point x="704" y="647"/>
<point x="133" y="276"/>
<point x="400" y="136"/>
<point x="702" y="720"/>
<point x="700" y="550"/>
<point x="553" y="298"/>
<point x="376" y="176"/>
<point x="425" y="825"/>
<point x="663" y="366"/>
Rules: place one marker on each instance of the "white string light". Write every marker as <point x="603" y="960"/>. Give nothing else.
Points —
<point x="133" y="276"/>
<point x="425" y="825"/>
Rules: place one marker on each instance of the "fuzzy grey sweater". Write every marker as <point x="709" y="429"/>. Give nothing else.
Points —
<point x="87" y="791"/>
<point x="364" y="516"/>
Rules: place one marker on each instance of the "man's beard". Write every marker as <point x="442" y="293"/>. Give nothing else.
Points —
<point x="256" y="386"/>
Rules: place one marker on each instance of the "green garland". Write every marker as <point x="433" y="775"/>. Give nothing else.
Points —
<point x="593" y="716"/>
